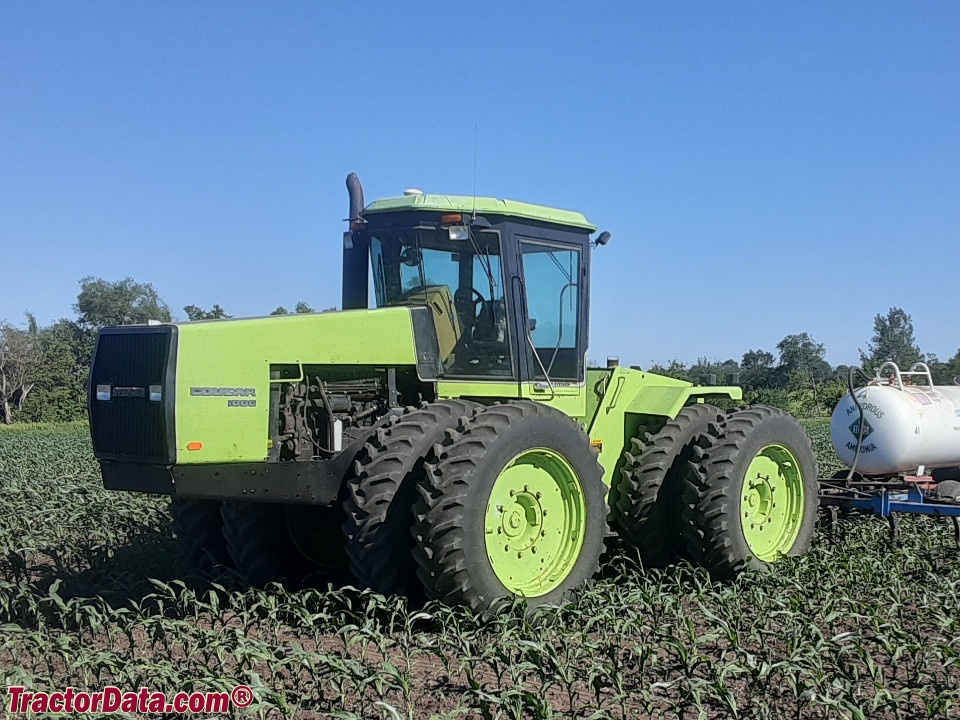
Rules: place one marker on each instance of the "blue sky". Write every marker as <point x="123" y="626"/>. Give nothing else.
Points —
<point x="764" y="168"/>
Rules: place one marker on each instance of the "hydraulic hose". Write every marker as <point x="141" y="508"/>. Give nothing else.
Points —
<point x="854" y="369"/>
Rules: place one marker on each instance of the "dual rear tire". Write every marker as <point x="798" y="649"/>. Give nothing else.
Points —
<point x="729" y="491"/>
<point x="646" y="498"/>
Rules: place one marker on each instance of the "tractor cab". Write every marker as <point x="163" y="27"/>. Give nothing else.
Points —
<point x="506" y="283"/>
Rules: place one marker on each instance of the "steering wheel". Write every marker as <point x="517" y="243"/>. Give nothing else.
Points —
<point x="477" y="299"/>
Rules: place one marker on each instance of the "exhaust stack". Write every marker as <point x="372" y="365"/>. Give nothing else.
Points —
<point x="356" y="246"/>
<point x="355" y="189"/>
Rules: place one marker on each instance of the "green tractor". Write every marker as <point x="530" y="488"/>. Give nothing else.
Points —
<point x="450" y="442"/>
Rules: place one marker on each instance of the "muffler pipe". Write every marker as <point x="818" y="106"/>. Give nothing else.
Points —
<point x="355" y="189"/>
<point x="356" y="246"/>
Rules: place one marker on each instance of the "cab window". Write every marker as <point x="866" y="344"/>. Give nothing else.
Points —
<point x="551" y="275"/>
<point x="460" y="281"/>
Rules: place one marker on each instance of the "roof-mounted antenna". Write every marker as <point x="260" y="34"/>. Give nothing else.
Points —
<point x="476" y="128"/>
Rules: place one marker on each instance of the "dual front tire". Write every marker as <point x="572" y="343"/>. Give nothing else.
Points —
<point x="262" y="542"/>
<point x="454" y="501"/>
<point x="512" y="505"/>
<point x="382" y="490"/>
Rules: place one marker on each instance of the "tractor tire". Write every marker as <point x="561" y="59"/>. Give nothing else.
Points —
<point x="260" y="544"/>
<point x="199" y="530"/>
<point x="946" y="474"/>
<point x="730" y="513"/>
<point x="512" y="505"/>
<point x="381" y="492"/>
<point x="949" y="490"/>
<point x="317" y="533"/>
<point x="647" y="511"/>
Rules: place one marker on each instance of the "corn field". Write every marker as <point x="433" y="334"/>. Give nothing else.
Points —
<point x="93" y="593"/>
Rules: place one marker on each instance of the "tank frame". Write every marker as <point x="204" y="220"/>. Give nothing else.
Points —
<point x="912" y="494"/>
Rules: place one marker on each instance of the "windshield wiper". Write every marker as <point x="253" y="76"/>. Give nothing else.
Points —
<point x="487" y="268"/>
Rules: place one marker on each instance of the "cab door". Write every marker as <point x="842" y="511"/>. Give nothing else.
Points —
<point x="553" y="275"/>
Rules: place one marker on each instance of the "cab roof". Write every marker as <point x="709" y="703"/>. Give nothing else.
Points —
<point x="487" y="206"/>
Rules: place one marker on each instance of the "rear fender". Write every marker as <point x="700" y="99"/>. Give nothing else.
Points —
<point x="633" y="398"/>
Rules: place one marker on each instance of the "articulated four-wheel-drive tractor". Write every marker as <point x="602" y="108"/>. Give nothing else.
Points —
<point x="450" y="442"/>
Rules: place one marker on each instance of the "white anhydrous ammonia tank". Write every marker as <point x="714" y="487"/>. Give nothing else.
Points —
<point x="906" y="427"/>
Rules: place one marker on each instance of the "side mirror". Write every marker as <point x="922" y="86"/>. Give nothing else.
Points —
<point x="411" y="257"/>
<point x="602" y="239"/>
<point x="532" y="324"/>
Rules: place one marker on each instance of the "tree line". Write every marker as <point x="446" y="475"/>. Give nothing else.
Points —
<point x="800" y="380"/>
<point x="43" y="370"/>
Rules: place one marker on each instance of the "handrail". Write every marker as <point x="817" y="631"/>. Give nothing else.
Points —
<point x="918" y="368"/>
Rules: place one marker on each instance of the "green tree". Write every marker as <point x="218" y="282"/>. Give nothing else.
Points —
<point x="953" y="367"/>
<point x="60" y="391"/>
<point x="301" y="308"/>
<point x="802" y="367"/>
<point x="757" y="369"/>
<point x="945" y="373"/>
<point x="892" y="340"/>
<point x="773" y="396"/>
<point x="195" y="312"/>
<point x="674" y="369"/>
<point x="20" y="360"/>
<point x="831" y="391"/>
<point x="704" y="367"/>
<point x="102" y="303"/>
<point x="802" y="352"/>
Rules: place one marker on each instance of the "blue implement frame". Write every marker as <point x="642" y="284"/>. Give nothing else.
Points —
<point x="885" y="500"/>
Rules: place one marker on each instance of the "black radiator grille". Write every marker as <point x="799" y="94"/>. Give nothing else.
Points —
<point x="130" y="425"/>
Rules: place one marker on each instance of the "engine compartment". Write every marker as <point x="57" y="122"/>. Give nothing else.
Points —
<point x="316" y="410"/>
